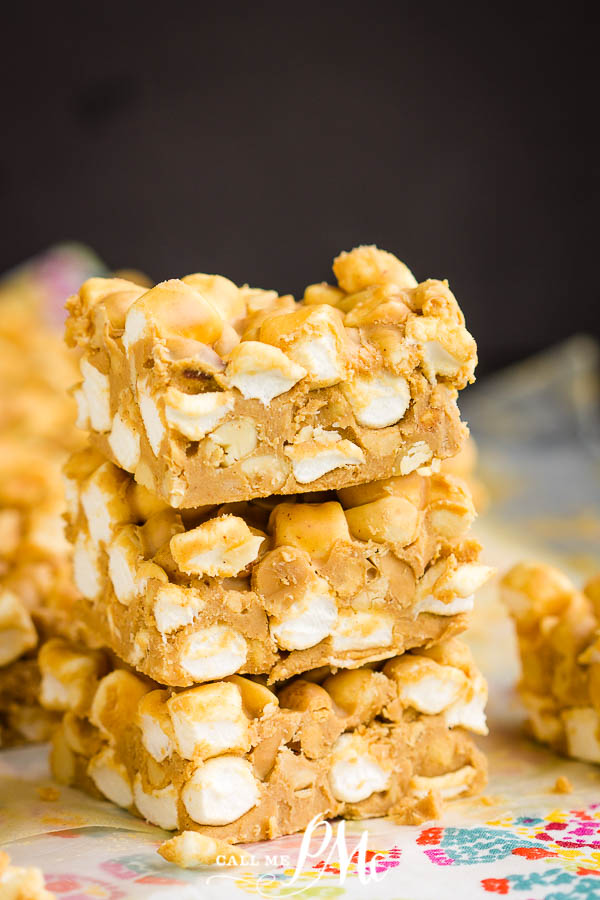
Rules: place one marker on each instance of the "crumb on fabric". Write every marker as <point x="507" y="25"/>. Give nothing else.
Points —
<point x="562" y="785"/>
<point x="48" y="794"/>
<point x="191" y="850"/>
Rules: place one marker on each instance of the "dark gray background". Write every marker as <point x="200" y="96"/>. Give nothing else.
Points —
<point x="257" y="140"/>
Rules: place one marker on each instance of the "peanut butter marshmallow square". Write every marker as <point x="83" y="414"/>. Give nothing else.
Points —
<point x="239" y="761"/>
<point x="558" y="633"/>
<point x="274" y="586"/>
<point x="211" y="393"/>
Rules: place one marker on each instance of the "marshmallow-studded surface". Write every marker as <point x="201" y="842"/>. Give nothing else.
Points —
<point x="276" y="586"/>
<point x="557" y="630"/>
<point x="350" y="384"/>
<point x="238" y="761"/>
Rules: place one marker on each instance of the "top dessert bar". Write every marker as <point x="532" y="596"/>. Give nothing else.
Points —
<point x="210" y="393"/>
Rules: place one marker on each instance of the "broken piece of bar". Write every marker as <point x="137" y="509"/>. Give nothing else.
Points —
<point x="240" y="762"/>
<point x="211" y="393"/>
<point x="557" y="630"/>
<point x="276" y="586"/>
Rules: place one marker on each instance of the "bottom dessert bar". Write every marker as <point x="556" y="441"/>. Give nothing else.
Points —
<point x="238" y="761"/>
<point x="559" y="644"/>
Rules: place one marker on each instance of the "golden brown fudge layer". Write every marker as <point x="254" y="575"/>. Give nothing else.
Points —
<point x="270" y="586"/>
<point x="557" y="629"/>
<point x="210" y="393"/>
<point x="239" y="761"/>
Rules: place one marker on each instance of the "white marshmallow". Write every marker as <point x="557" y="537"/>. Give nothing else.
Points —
<point x="307" y="620"/>
<point x="319" y="357"/>
<point x="175" y="607"/>
<point x="468" y="578"/>
<point x="469" y="715"/>
<point x="110" y="777"/>
<point x="87" y="573"/>
<point x="103" y="503"/>
<point x="427" y="686"/>
<point x="378" y="401"/>
<point x="431" y="604"/>
<point x="362" y="630"/>
<point x="124" y="442"/>
<point x="261" y="371"/>
<point x="194" y="415"/>
<point x="354" y="774"/>
<point x="447" y="786"/>
<point x="150" y="413"/>
<point x="208" y="721"/>
<point x="159" y="807"/>
<point x="136" y="327"/>
<point x="220" y="791"/>
<point x="96" y="389"/>
<point x="155" y="724"/>
<point x="123" y="555"/>
<point x="221" y="546"/>
<point x="582" y="727"/>
<point x="214" y="652"/>
<point x="438" y="361"/>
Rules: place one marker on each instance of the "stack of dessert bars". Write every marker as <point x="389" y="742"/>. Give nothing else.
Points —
<point x="273" y="562"/>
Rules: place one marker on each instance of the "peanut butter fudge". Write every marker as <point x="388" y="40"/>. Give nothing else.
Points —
<point x="274" y="586"/>
<point x="240" y="762"/>
<point x="211" y="393"/>
<point x="558" y="634"/>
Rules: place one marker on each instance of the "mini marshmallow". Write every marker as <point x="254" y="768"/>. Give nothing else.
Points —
<point x="17" y="631"/>
<point x="150" y="413"/>
<point x="195" y="415"/>
<point x="69" y="676"/>
<point x="214" y="652"/>
<point x="124" y="441"/>
<point x="116" y="700"/>
<point x="175" y="607"/>
<point x="308" y="620"/>
<point x="96" y="390"/>
<point x="582" y="727"/>
<point x="431" y="604"/>
<point x="124" y="554"/>
<point x="220" y="791"/>
<point x="366" y="265"/>
<point x="110" y="777"/>
<point x="425" y="685"/>
<point x="222" y="546"/>
<point x="313" y="337"/>
<point x="103" y="501"/>
<point x="452" y="784"/>
<point x="208" y="721"/>
<point x="362" y="630"/>
<point x="354" y="774"/>
<point x="467" y="578"/>
<point x="159" y="806"/>
<point x="378" y="400"/>
<point x="261" y="371"/>
<point x="154" y="722"/>
<point x="319" y="451"/>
